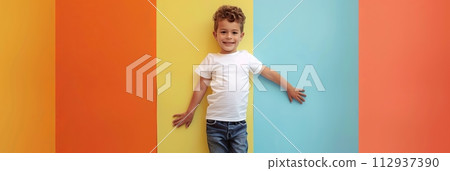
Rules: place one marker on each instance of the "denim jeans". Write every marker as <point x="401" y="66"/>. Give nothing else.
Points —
<point x="226" y="137"/>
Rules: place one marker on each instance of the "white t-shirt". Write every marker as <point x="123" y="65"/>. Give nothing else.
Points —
<point x="229" y="74"/>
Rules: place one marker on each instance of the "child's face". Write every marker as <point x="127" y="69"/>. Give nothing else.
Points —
<point x="228" y="35"/>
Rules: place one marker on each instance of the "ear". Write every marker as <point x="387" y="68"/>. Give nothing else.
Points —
<point x="242" y="34"/>
<point x="215" y="34"/>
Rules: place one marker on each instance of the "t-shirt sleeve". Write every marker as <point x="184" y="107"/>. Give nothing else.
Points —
<point x="254" y="64"/>
<point x="204" y="69"/>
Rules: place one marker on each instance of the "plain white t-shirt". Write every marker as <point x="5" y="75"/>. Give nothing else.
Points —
<point x="229" y="74"/>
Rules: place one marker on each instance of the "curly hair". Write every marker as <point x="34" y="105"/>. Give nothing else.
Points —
<point x="231" y="13"/>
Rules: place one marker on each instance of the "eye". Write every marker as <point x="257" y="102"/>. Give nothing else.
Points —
<point x="235" y="32"/>
<point x="223" y="32"/>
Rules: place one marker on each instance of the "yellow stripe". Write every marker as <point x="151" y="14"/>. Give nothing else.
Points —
<point x="194" y="20"/>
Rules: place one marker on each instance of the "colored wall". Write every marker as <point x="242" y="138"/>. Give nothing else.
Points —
<point x="95" y="42"/>
<point x="404" y="59"/>
<point x="320" y="38"/>
<point x="70" y="75"/>
<point x="194" y="20"/>
<point x="27" y="76"/>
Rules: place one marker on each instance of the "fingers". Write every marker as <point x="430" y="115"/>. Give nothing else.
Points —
<point x="188" y="124"/>
<point x="180" y="123"/>
<point x="301" y="95"/>
<point x="177" y="115"/>
<point x="297" y="95"/>
<point x="299" y="99"/>
<point x="300" y="92"/>
<point x="181" y="119"/>
<point x="177" y="122"/>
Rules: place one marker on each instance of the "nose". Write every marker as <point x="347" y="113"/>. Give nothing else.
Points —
<point x="229" y="35"/>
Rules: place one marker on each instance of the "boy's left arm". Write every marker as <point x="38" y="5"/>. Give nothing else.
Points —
<point x="293" y="93"/>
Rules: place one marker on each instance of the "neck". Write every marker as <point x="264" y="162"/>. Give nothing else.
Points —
<point x="227" y="52"/>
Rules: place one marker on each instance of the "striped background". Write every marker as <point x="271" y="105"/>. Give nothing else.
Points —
<point x="62" y="78"/>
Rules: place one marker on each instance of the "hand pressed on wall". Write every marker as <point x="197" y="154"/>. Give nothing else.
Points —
<point x="182" y="118"/>
<point x="297" y="94"/>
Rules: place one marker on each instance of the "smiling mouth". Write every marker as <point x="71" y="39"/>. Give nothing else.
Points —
<point x="228" y="43"/>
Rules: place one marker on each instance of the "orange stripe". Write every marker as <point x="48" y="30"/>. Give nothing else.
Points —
<point x="95" y="41"/>
<point x="27" y="81"/>
<point x="404" y="67"/>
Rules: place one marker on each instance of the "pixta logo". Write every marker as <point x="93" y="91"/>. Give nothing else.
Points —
<point x="149" y="77"/>
<point x="228" y="72"/>
<point x="303" y="82"/>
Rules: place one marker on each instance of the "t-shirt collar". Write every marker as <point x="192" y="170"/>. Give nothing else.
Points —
<point x="234" y="53"/>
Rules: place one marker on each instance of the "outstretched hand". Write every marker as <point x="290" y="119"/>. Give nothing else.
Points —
<point x="296" y="94"/>
<point x="182" y="118"/>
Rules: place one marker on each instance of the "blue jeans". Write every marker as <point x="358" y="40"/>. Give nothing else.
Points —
<point x="226" y="137"/>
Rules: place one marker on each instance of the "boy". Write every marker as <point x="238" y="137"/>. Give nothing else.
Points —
<point x="227" y="73"/>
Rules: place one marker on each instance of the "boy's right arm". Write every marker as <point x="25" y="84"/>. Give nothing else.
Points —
<point x="197" y="96"/>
